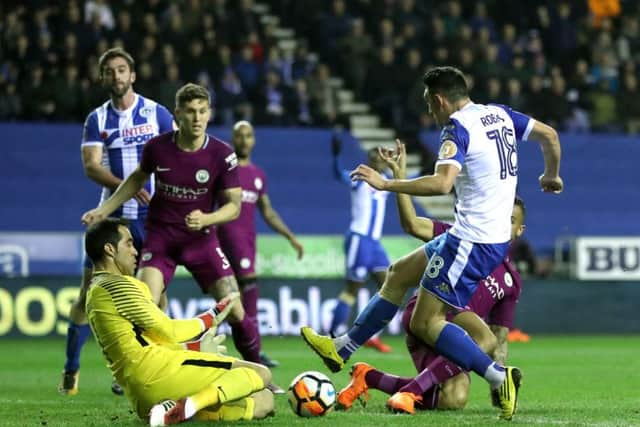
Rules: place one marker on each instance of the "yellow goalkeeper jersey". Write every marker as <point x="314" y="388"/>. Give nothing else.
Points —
<point x="129" y="326"/>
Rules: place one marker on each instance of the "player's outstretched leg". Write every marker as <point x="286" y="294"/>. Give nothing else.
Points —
<point x="508" y="392"/>
<point x="356" y="389"/>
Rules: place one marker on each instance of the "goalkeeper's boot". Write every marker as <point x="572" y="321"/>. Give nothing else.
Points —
<point x="403" y="402"/>
<point x="69" y="383"/>
<point x="356" y="389"/>
<point x="116" y="388"/>
<point x="167" y="413"/>
<point x="324" y="347"/>
<point x="267" y="361"/>
<point x="508" y="392"/>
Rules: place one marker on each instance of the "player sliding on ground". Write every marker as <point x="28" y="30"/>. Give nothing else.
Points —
<point x="440" y="383"/>
<point x="147" y="351"/>
<point x="478" y="154"/>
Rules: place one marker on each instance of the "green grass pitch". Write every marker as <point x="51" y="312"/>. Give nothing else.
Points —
<point x="568" y="381"/>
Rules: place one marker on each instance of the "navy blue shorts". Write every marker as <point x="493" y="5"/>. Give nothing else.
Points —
<point x="456" y="266"/>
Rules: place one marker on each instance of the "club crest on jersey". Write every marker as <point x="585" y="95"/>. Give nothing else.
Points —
<point x="146" y="256"/>
<point x="146" y="111"/>
<point x="202" y="176"/>
<point x="448" y="150"/>
<point x="258" y="183"/>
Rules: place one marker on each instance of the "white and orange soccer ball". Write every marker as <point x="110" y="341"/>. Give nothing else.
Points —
<point x="311" y="394"/>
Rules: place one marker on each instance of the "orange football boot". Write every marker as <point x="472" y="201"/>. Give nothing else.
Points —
<point x="356" y="389"/>
<point x="403" y="402"/>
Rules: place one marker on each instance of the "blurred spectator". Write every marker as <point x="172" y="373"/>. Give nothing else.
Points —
<point x="10" y="102"/>
<point x="300" y="104"/>
<point x="629" y="104"/>
<point x="272" y="101"/>
<point x="231" y="100"/>
<point x="167" y="88"/>
<point x="356" y="49"/>
<point x="101" y="10"/>
<point x="324" y="96"/>
<point x="495" y="42"/>
<point x="603" y="112"/>
<point x="68" y="94"/>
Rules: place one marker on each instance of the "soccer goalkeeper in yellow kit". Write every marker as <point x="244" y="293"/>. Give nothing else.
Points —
<point x="146" y="350"/>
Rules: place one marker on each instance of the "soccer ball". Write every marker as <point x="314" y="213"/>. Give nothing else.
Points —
<point x="311" y="394"/>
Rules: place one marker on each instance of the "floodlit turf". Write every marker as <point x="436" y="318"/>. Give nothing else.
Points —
<point x="568" y="381"/>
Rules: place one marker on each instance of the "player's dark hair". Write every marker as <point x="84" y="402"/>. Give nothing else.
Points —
<point x="101" y="233"/>
<point x="191" y="91"/>
<point x="116" y="52"/>
<point x="519" y="202"/>
<point x="446" y="81"/>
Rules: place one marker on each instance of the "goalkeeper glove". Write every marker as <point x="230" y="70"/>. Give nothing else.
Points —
<point x="209" y="343"/>
<point x="214" y="316"/>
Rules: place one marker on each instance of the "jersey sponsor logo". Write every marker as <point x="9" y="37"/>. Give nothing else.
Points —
<point x="137" y="134"/>
<point x="258" y="183"/>
<point x="447" y="150"/>
<point x="160" y="169"/>
<point x="249" y="196"/>
<point x="202" y="176"/>
<point x="178" y="192"/>
<point x="232" y="161"/>
<point x="493" y="287"/>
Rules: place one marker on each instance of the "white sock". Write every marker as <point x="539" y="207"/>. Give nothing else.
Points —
<point x="189" y="408"/>
<point x="495" y="375"/>
<point x="341" y="341"/>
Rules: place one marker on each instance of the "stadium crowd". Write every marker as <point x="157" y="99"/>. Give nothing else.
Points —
<point x="573" y="64"/>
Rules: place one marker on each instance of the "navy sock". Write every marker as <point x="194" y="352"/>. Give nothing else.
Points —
<point x="455" y="344"/>
<point x="375" y="316"/>
<point x="76" y="337"/>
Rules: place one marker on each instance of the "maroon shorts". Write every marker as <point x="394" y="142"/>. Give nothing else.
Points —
<point x="167" y="246"/>
<point x="240" y="249"/>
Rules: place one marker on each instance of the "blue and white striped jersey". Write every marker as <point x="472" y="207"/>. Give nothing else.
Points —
<point x="481" y="141"/>
<point x="368" y="207"/>
<point x="122" y="134"/>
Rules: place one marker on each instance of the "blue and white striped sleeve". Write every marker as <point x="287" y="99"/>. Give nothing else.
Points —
<point x="91" y="132"/>
<point x="522" y="123"/>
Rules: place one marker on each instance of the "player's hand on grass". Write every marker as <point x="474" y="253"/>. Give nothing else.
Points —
<point x="368" y="175"/>
<point x="93" y="216"/>
<point x="143" y="197"/>
<point x="298" y="247"/>
<point x="195" y="220"/>
<point x="551" y="184"/>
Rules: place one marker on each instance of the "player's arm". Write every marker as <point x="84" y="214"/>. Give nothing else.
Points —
<point x="338" y="172"/>
<point x="419" y="227"/>
<point x="550" y="180"/>
<point x="93" y="168"/>
<point x="125" y="191"/>
<point x="441" y="182"/>
<point x="501" y="351"/>
<point x="141" y="311"/>
<point x="273" y="219"/>
<point x="197" y="220"/>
